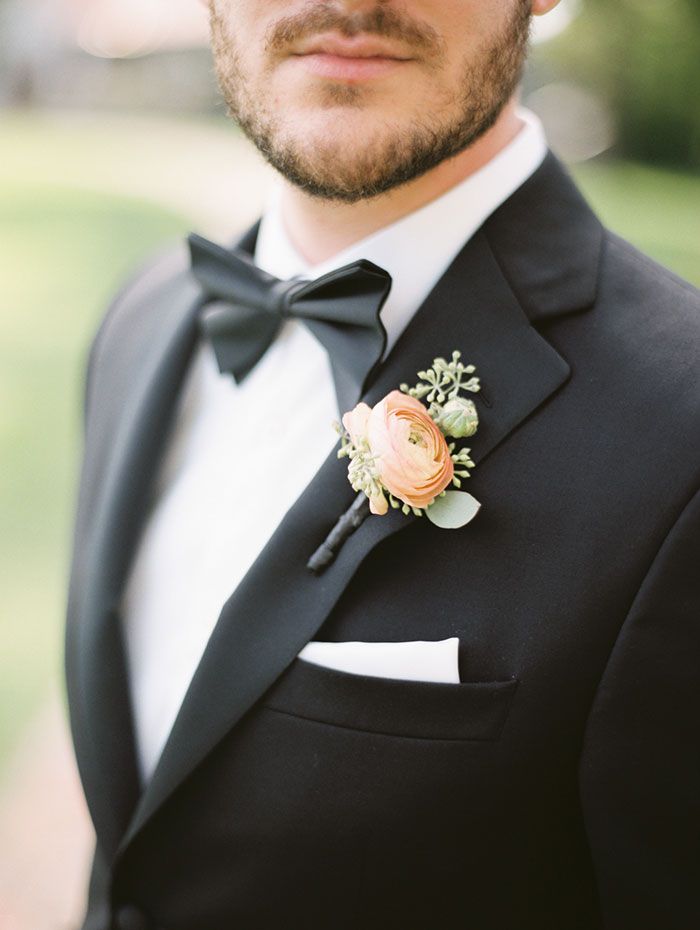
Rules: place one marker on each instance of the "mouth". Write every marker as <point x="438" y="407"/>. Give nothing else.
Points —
<point x="353" y="59"/>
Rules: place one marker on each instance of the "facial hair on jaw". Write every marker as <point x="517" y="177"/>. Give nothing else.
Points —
<point x="374" y="166"/>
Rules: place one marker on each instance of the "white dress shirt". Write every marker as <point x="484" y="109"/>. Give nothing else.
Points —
<point x="222" y="488"/>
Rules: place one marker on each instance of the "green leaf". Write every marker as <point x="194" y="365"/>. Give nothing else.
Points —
<point x="453" y="510"/>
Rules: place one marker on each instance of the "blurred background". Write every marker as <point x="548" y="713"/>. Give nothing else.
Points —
<point x="114" y="142"/>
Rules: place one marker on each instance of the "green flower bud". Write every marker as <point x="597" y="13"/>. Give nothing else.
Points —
<point x="458" y="418"/>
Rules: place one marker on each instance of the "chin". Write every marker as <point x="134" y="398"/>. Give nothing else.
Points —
<point x="341" y="128"/>
<point x="335" y="150"/>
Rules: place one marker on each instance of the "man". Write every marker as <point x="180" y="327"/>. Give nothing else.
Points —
<point x="266" y="745"/>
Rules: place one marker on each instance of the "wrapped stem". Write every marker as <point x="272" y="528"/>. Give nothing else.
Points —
<point x="353" y="517"/>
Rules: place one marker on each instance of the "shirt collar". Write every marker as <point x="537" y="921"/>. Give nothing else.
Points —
<point x="416" y="249"/>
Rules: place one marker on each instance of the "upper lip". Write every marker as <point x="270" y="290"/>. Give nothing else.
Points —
<point x="355" y="47"/>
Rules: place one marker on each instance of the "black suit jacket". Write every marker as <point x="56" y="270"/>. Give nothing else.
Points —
<point x="557" y="785"/>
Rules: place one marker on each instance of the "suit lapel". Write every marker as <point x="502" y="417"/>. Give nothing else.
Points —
<point x="131" y="436"/>
<point x="126" y="438"/>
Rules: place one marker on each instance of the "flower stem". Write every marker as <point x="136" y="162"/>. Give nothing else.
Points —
<point x="343" y="529"/>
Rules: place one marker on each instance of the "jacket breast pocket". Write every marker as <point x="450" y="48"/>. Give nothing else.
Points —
<point x="471" y="710"/>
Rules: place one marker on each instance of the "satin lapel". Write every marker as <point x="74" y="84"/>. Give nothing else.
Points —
<point x="259" y="632"/>
<point x="137" y="394"/>
<point x="107" y="760"/>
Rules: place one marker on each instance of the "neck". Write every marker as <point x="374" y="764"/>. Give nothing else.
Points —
<point x="321" y="228"/>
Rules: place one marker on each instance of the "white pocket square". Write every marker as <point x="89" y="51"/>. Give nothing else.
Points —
<point x="416" y="660"/>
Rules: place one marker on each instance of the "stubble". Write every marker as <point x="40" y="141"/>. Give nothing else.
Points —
<point x="374" y="164"/>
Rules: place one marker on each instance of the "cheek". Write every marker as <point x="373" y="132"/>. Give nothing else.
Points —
<point x="470" y="17"/>
<point x="243" y="23"/>
<point x="468" y="25"/>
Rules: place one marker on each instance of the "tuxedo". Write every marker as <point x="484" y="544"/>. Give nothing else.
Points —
<point x="556" y="785"/>
<point x="191" y="555"/>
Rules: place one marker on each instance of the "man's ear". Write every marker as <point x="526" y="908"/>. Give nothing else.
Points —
<point x="540" y="7"/>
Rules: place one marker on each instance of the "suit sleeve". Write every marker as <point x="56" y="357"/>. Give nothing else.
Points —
<point x="640" y="765"/>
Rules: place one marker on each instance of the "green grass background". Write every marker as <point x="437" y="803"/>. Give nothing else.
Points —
<point x="64" y="248"/>
<point x="63" y="252"/>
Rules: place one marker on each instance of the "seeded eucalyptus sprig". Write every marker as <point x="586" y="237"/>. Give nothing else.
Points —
<point x="363" y="473"/>
<point x="443" y="382"/>
<point x="460" y="458"/>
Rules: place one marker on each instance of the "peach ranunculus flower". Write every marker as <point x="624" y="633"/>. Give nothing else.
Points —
<point x="412" y="457"/>
<point x="355" y="422"/>
<point x="362" y="470"/>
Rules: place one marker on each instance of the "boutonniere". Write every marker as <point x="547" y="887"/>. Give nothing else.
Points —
<point x="400" y="454"/>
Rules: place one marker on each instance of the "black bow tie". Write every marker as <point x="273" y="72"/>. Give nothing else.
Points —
<point x="246" y="306"/>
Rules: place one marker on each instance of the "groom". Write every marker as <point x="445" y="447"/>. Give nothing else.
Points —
<point x="486" y="727"/>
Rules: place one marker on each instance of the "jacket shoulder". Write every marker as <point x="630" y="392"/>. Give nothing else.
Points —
<point x="640" y="345"/>
<point x="638" y="279"/>
<point x="124" y="311"/>
<point x="150" y="274"/>
<point x="648" y="323"/>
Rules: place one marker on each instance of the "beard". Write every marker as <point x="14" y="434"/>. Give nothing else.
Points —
<point x="332" y="169"/>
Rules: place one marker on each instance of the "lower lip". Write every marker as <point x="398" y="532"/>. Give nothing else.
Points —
<point x="339" y="68"/>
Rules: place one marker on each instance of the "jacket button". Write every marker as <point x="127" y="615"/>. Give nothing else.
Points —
<point x="130" y="918"/>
